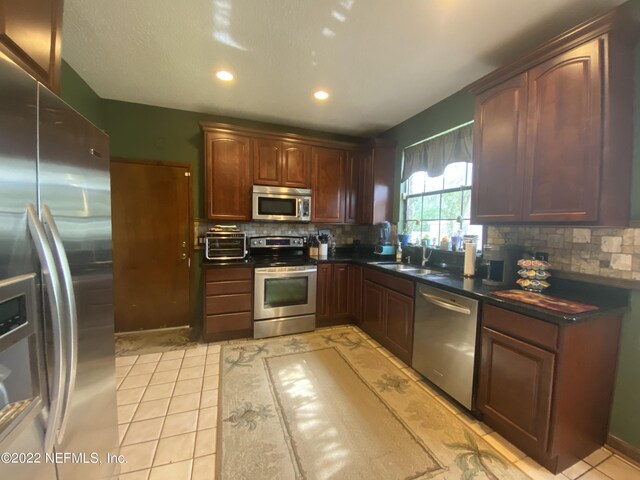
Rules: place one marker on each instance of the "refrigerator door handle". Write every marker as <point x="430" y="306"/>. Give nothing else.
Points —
<point x="54" y="292"/>
<point x="62" y="264"/>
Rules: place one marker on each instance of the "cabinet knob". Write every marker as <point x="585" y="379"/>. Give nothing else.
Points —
<point x="183" y="256"/>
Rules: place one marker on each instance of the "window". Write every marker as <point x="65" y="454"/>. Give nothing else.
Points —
<point x="439" y="206"/>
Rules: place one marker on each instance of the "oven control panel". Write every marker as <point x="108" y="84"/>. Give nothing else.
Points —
<point x="277" y="242"/>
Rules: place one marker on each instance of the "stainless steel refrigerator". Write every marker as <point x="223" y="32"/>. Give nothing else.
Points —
<point x="58" y="414"/>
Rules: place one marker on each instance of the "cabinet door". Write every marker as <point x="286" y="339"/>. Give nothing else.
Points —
<point x="30" y="36"/>
<point x="365" y="188"/>
<point x="373" y="309"/>
<point x="355" y="292"/>
<point x="398" y="321"/>
<point x="267" y="165"/>
<point x="327" y="183"/>
<point x="296" y="160"/>
<point x="354" y="184"/>
<point x="564" y="141"/>
<point x="515" y="388"/>
<point x="228" y="176"/>
<point x="340" y="297"/>
<point x="323" y="295"/>
<point x="498" y="152"/>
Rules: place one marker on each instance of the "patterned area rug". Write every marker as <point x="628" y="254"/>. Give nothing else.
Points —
<point x="154" y="341"/>
<point x="327" y="405"/>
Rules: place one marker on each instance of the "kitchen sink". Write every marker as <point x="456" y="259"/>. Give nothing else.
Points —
<point x="398" y="267"/>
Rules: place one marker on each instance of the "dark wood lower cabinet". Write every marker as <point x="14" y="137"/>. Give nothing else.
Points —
<point x="548" y="388"/>
<point x="334" y="301"/>
<point x="516" y="386"/>
<point x="354" y="288"/>
<point x="387" y="312"/>
<point x="228" y="303"/>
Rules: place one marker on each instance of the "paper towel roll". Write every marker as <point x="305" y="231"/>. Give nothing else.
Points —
<point x="469" y="259"/>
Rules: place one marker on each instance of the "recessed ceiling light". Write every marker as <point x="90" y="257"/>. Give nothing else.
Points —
<point x="224" y="75"/>
<point x="320" y="95"/>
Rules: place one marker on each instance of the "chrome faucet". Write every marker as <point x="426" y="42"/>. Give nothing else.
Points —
<point x="425" y="260"/>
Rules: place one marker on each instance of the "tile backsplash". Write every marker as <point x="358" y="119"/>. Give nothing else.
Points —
<point x="607" y="252"/>
<point x="344" y="234"/>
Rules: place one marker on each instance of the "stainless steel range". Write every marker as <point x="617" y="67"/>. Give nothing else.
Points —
<point x="285" y="286"/>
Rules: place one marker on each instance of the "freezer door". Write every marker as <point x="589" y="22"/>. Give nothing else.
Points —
<point x="18" y="188"/>
<point x="74" y="186"/>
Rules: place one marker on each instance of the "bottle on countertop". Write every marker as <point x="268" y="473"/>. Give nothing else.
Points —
<point x="399" y="253"/>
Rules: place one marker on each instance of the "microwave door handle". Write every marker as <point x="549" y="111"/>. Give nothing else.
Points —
<point x="54" y="293"/>
<point x="299" y="207"/>
<point x="62" y="264"/>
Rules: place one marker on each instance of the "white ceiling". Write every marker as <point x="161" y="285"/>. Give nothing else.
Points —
<point x="383" y="61"/>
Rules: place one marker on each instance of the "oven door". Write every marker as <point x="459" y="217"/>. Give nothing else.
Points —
<point x="271" y="206"/>
<point x="284" y="292"/>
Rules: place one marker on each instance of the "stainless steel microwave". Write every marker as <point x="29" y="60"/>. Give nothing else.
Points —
<point x="281" y="204"/>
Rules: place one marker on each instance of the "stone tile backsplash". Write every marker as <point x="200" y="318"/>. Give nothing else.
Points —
<point x="607" y="252"/>
<point x="344" y="234"/>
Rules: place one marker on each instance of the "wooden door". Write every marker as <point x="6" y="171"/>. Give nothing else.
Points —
<point x="228" y="176"/>
<point x="323" y="295"/>
<point x="515" y="388"/>
<point x="151" y="205"/>
<point x="340" y="294"/>
<point x="30" y="32"/>
<point x="564" y="139"/>
<point x="267" y="165"/>
<point x="499" y="151"/>
<point x="398" y="315"/>
<point x="327" y="180"/>
<point x="296" y="165"/>
<point x="354" y="273"/>
<point x="373" y="309"/>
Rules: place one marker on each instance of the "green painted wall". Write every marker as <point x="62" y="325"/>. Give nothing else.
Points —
<point x="77" y="93"/>
<point x="448" y="113"/>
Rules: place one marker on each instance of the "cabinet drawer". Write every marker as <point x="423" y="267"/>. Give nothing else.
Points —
<point x="226" y="288"/>
<point x="521" y="326"/>
<point x="400" y="285"/>
<point x="228" y="322"/>
<point x="228" y="303"/>
<point x="224" y="274"/>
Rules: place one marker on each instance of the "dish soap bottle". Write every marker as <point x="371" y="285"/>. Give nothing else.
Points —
<point x="399" y="253"/>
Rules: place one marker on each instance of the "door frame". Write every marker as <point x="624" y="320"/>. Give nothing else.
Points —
<point x="190" y="252"/>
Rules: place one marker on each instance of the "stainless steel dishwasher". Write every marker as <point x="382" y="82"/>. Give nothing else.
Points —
<point x="444" y="340"/>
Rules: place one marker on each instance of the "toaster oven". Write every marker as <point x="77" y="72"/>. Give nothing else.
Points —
<point x="225" y="245"/>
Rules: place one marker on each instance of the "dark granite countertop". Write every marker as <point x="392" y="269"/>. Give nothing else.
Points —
<point x="611" y="301"/>
<point x="227" y="263"/>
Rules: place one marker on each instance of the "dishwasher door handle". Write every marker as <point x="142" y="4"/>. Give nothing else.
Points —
<point x="445" y="304"/>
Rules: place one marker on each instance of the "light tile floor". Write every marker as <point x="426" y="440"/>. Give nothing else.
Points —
<point x="168" y="414"/>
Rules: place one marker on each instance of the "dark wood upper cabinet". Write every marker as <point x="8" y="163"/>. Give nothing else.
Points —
<point x="350" y="182"/>
<point x="227" y="176"/>
<point x="564" y="140"/>
<point x="267" y="162"/>
<point x="296" y="165"/>
<point x="553" y="132"/>
<point x="30" y="35"/>
<point x="499" y="139"/>
<point x="327" y="184"/>
<point x="281" y="164"/>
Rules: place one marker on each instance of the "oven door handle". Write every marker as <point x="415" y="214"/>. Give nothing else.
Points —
<point x="54" y="294"/>
<point x="285" y="272"/>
